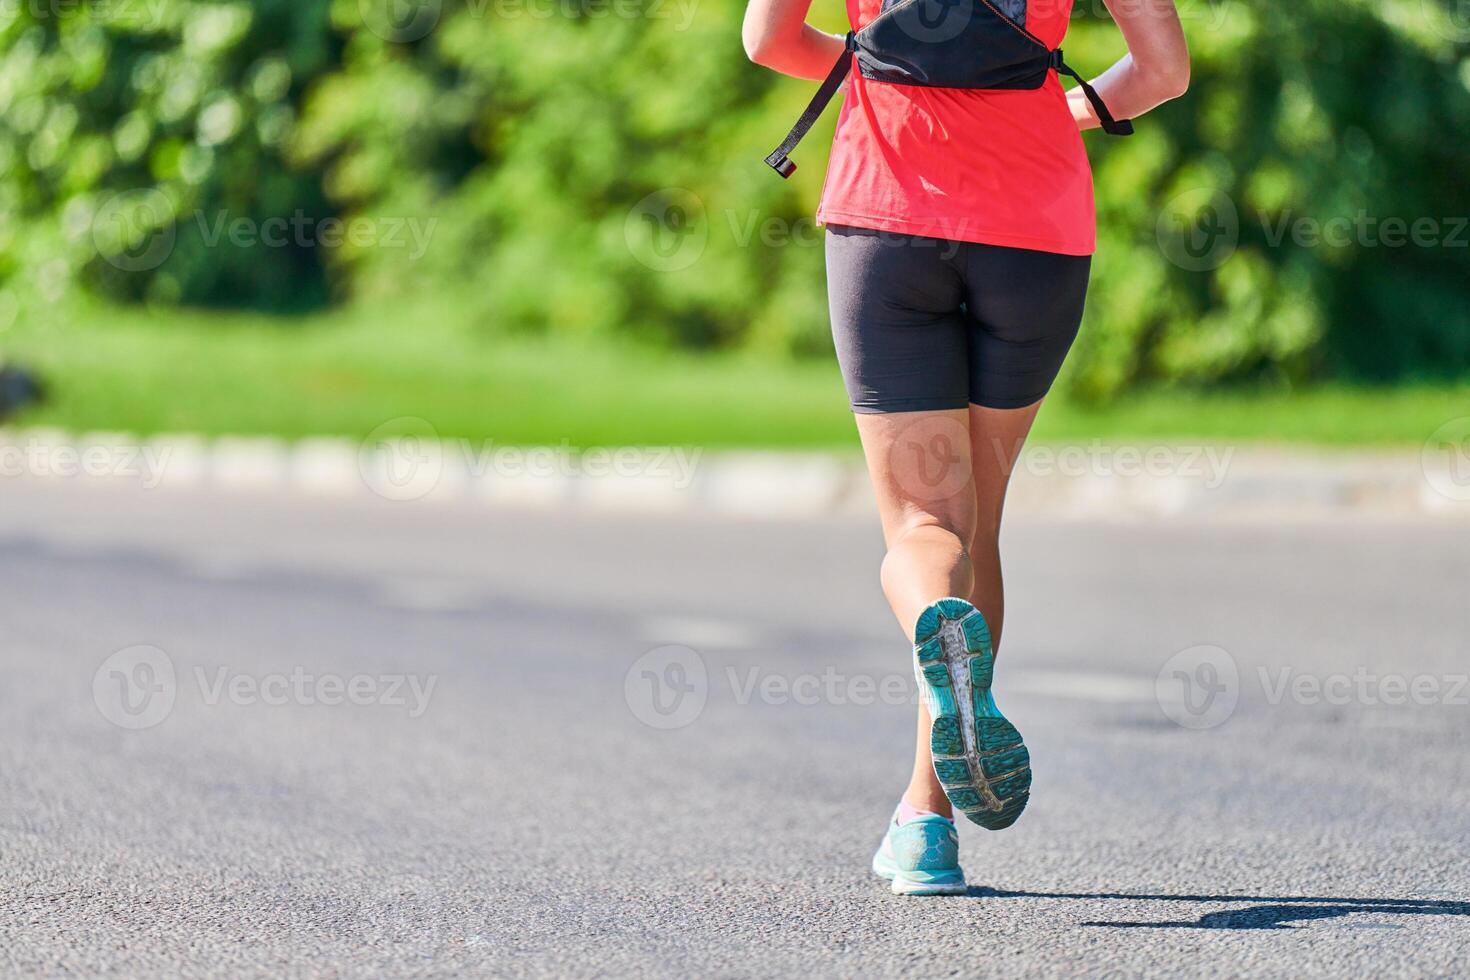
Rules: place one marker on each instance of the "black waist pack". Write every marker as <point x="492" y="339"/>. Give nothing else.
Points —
<point x="944" y="44"/>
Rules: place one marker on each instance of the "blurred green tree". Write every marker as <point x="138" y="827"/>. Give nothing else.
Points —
<point x="138" y="137"/>
<point x="1300" y="213"/>
<point x="599" y="172"/>
<point x="593" y="167"/>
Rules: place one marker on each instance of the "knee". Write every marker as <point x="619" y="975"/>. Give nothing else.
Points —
<point x="932" y="533"/>
<point x="922" y="545"/>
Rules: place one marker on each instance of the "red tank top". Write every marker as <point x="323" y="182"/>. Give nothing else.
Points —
<point x="999" y="167"/>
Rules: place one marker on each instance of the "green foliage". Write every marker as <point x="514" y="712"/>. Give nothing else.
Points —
<point x="1263" y="227"/>
<point x="593" y="172"/>
<point x="134" y="134"/>
<point x="593" y="167"/>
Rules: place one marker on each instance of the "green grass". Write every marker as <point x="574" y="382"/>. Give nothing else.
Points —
<point x="345" y="373"/>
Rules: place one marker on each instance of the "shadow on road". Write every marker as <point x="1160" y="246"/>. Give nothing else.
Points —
<point x="1274" y="913"/>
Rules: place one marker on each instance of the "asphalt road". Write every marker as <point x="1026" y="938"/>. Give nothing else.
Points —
<point x="246" y="736"/>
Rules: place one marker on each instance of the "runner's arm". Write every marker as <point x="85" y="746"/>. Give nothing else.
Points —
<point x="1155" y="69"/>
<point x="777" y="36"/>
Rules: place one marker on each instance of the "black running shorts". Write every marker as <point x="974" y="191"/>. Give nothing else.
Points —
<point x="923" y="324"/>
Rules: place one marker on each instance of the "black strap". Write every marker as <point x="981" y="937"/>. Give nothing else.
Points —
<point x="1116" y="127"/>
<point x="778" y="160"/>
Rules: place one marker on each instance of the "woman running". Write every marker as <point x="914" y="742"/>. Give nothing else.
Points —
<point x="960" y="229"/>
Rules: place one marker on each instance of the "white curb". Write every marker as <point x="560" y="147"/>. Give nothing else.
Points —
<point x="1096" y="482"/>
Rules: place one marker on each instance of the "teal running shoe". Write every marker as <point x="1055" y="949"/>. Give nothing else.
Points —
<point x="978" y="755"/>
<point x="921" y="858"/>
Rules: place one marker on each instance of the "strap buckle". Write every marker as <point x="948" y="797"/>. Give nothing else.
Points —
<point x="780" y="163"/>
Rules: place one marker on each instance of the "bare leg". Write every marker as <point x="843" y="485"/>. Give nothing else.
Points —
<point x="920" y="464"/>
<point x="996" y="438"/>
<point x="920" y="467"/>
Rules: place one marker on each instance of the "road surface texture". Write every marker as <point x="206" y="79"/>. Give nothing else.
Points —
<point x="254" y="736"/>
